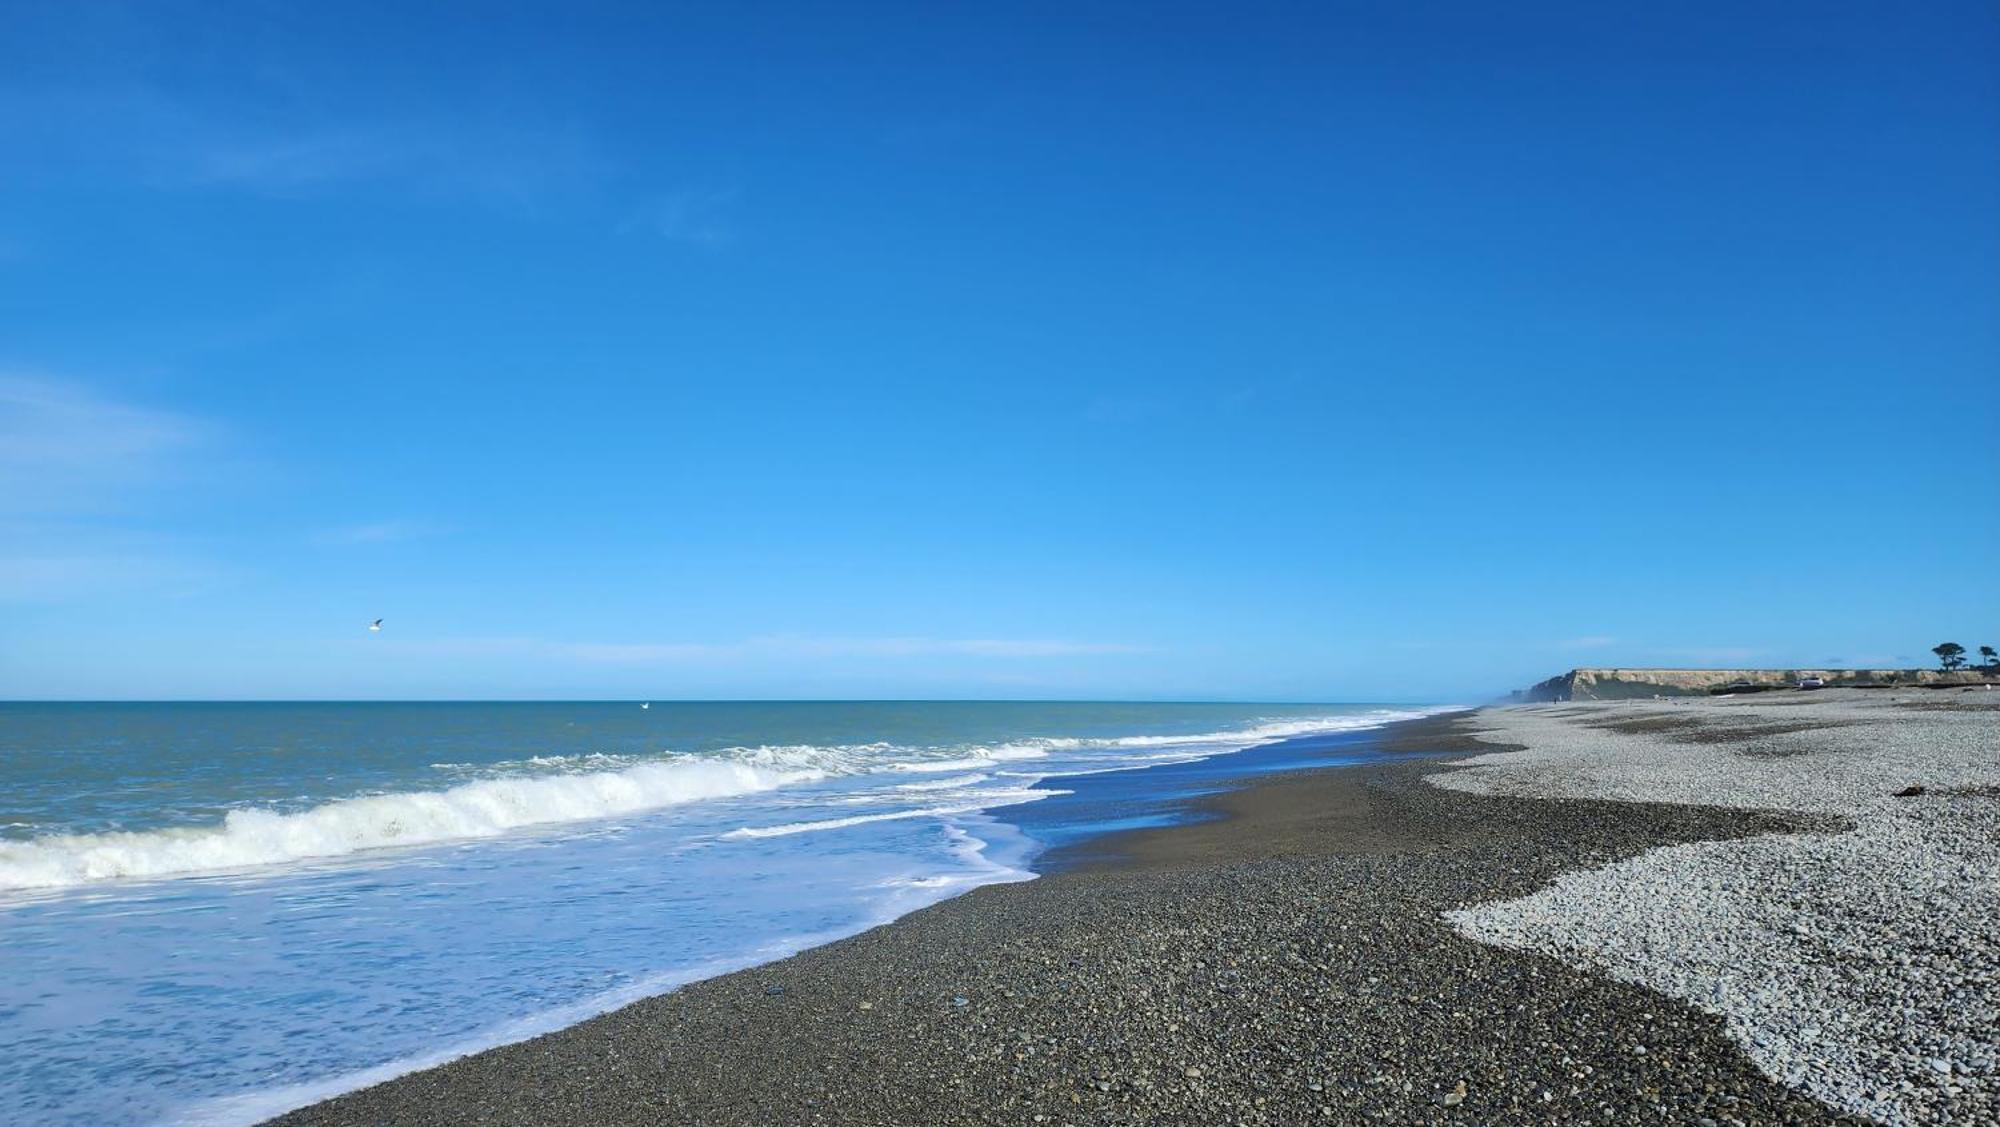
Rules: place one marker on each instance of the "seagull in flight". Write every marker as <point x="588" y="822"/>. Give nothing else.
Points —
<point x="375" y="626"/>
<point x="645" y="706"/>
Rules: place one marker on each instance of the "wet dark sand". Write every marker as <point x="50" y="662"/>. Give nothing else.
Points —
<point x="1284" y="963"/>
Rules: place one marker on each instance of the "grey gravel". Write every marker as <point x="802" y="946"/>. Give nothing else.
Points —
<point x="1860" y="962"/>
<point x="1285" y="963"/>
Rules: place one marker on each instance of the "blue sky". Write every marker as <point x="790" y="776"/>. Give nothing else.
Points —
<point x="1399" y="351"/>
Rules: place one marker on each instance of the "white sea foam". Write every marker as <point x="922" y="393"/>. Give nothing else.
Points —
<point x="808" y="788"/>
<point x="994" y="856"/>
<point x="556" y="789"/>
<point x="987" y="800"/>
<point x="928" y="766"/>
<point x="596" y="760"/>
<point x="952" y="783"/>
<point x="485" y="808"/>
<point x="922" y="882"/>
<point x="1030" y="750"/>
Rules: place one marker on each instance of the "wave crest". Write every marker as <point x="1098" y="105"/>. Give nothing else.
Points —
<point x="548" y="790"/>
<point x="486" y="808"/>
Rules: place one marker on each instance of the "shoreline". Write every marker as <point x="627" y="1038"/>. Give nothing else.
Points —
<point x="1286" y="961"/>
<point x="1028" y="857"/>
<point x="1017" y="842"/>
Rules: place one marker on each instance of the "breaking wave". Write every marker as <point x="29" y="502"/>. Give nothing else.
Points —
<point x="550" y="790"/>
<point x="997" y="798"/>
<point x="486" y="808"/>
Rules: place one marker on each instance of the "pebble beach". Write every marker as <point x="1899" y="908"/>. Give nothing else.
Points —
<point x="1858" y="962"/>
<point x="1558" y="913"/>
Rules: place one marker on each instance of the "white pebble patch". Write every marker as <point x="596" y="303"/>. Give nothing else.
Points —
<point x="1860" y="965"/>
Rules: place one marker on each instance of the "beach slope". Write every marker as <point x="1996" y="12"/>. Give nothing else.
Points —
<point x="1290" y="961"/>
<point x="1860" y="965"/>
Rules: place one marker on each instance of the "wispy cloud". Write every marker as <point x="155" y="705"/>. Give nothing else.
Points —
<point x="455" y="647"/>
<point x="379" y="532"/>
<point x="156" y="137"/>
<point x="84" y="568"/>
<point x="74" y="465"/>
<point x="692" y="216"/>
<point x="1713" y="654"/>
<point x="503" y="164"/>
<point x="288" y="163"/>
<point x="1031" y="647"/>
<point x="640" y="652"/>
<point x="1504" y="646"/>
<point x="62" y="444"/>
<point x="793" y="647"/>
<point x="777" y="647"/>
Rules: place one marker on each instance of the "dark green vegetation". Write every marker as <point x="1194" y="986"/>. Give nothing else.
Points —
<point x="1951" y="657"/>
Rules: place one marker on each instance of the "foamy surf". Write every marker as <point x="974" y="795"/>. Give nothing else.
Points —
<point x="487" y="808"/>
<point x="551" y="790"/>
<point x="615" y="859"/>
<point x="985" y="802"/>
<point x="952" y="783"/>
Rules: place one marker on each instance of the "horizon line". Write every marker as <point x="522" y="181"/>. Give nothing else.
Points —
<point x="695" y="700"/>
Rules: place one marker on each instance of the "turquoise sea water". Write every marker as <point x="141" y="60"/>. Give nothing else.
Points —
<point x="213" y="912"/>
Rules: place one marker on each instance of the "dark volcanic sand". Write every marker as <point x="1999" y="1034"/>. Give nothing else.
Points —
<point x="1285" y="964"/>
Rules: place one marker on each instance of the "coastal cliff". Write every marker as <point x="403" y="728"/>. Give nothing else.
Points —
<point x="1621" y="683"/>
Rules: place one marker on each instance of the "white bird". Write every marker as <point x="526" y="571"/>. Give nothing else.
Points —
<point x="376" y="626"/>
<point x="645" y="706"/>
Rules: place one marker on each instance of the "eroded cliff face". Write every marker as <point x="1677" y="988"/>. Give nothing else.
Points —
<point x="1619" y="683"/>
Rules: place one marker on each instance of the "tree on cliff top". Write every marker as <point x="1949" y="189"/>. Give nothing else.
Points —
<point x="1950" y="655"/>
<point x="1992" y="659"/>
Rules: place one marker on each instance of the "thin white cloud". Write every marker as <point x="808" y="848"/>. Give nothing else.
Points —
<point x="295" y="162"/>
<point x="1587" y="642"/>
<point x="691" y="216"/>
<point x="1713" y="654"/>
<point x="475" y="647"/>
<point x="509" y="165"/>
<point x="68" y="562"/>
<point x="58" y="579"/>
<point x="621" y="652"/>
<point x="62" y="443"/>
<point x="73" y="461"/>
<point x="1032" y="647"/>
<point x="157" y="137"/>
<point x="791" y="647"/>
<point x="379" y="532"/>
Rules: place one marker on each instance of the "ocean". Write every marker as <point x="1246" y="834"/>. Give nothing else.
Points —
<point x="210" y="913"/>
